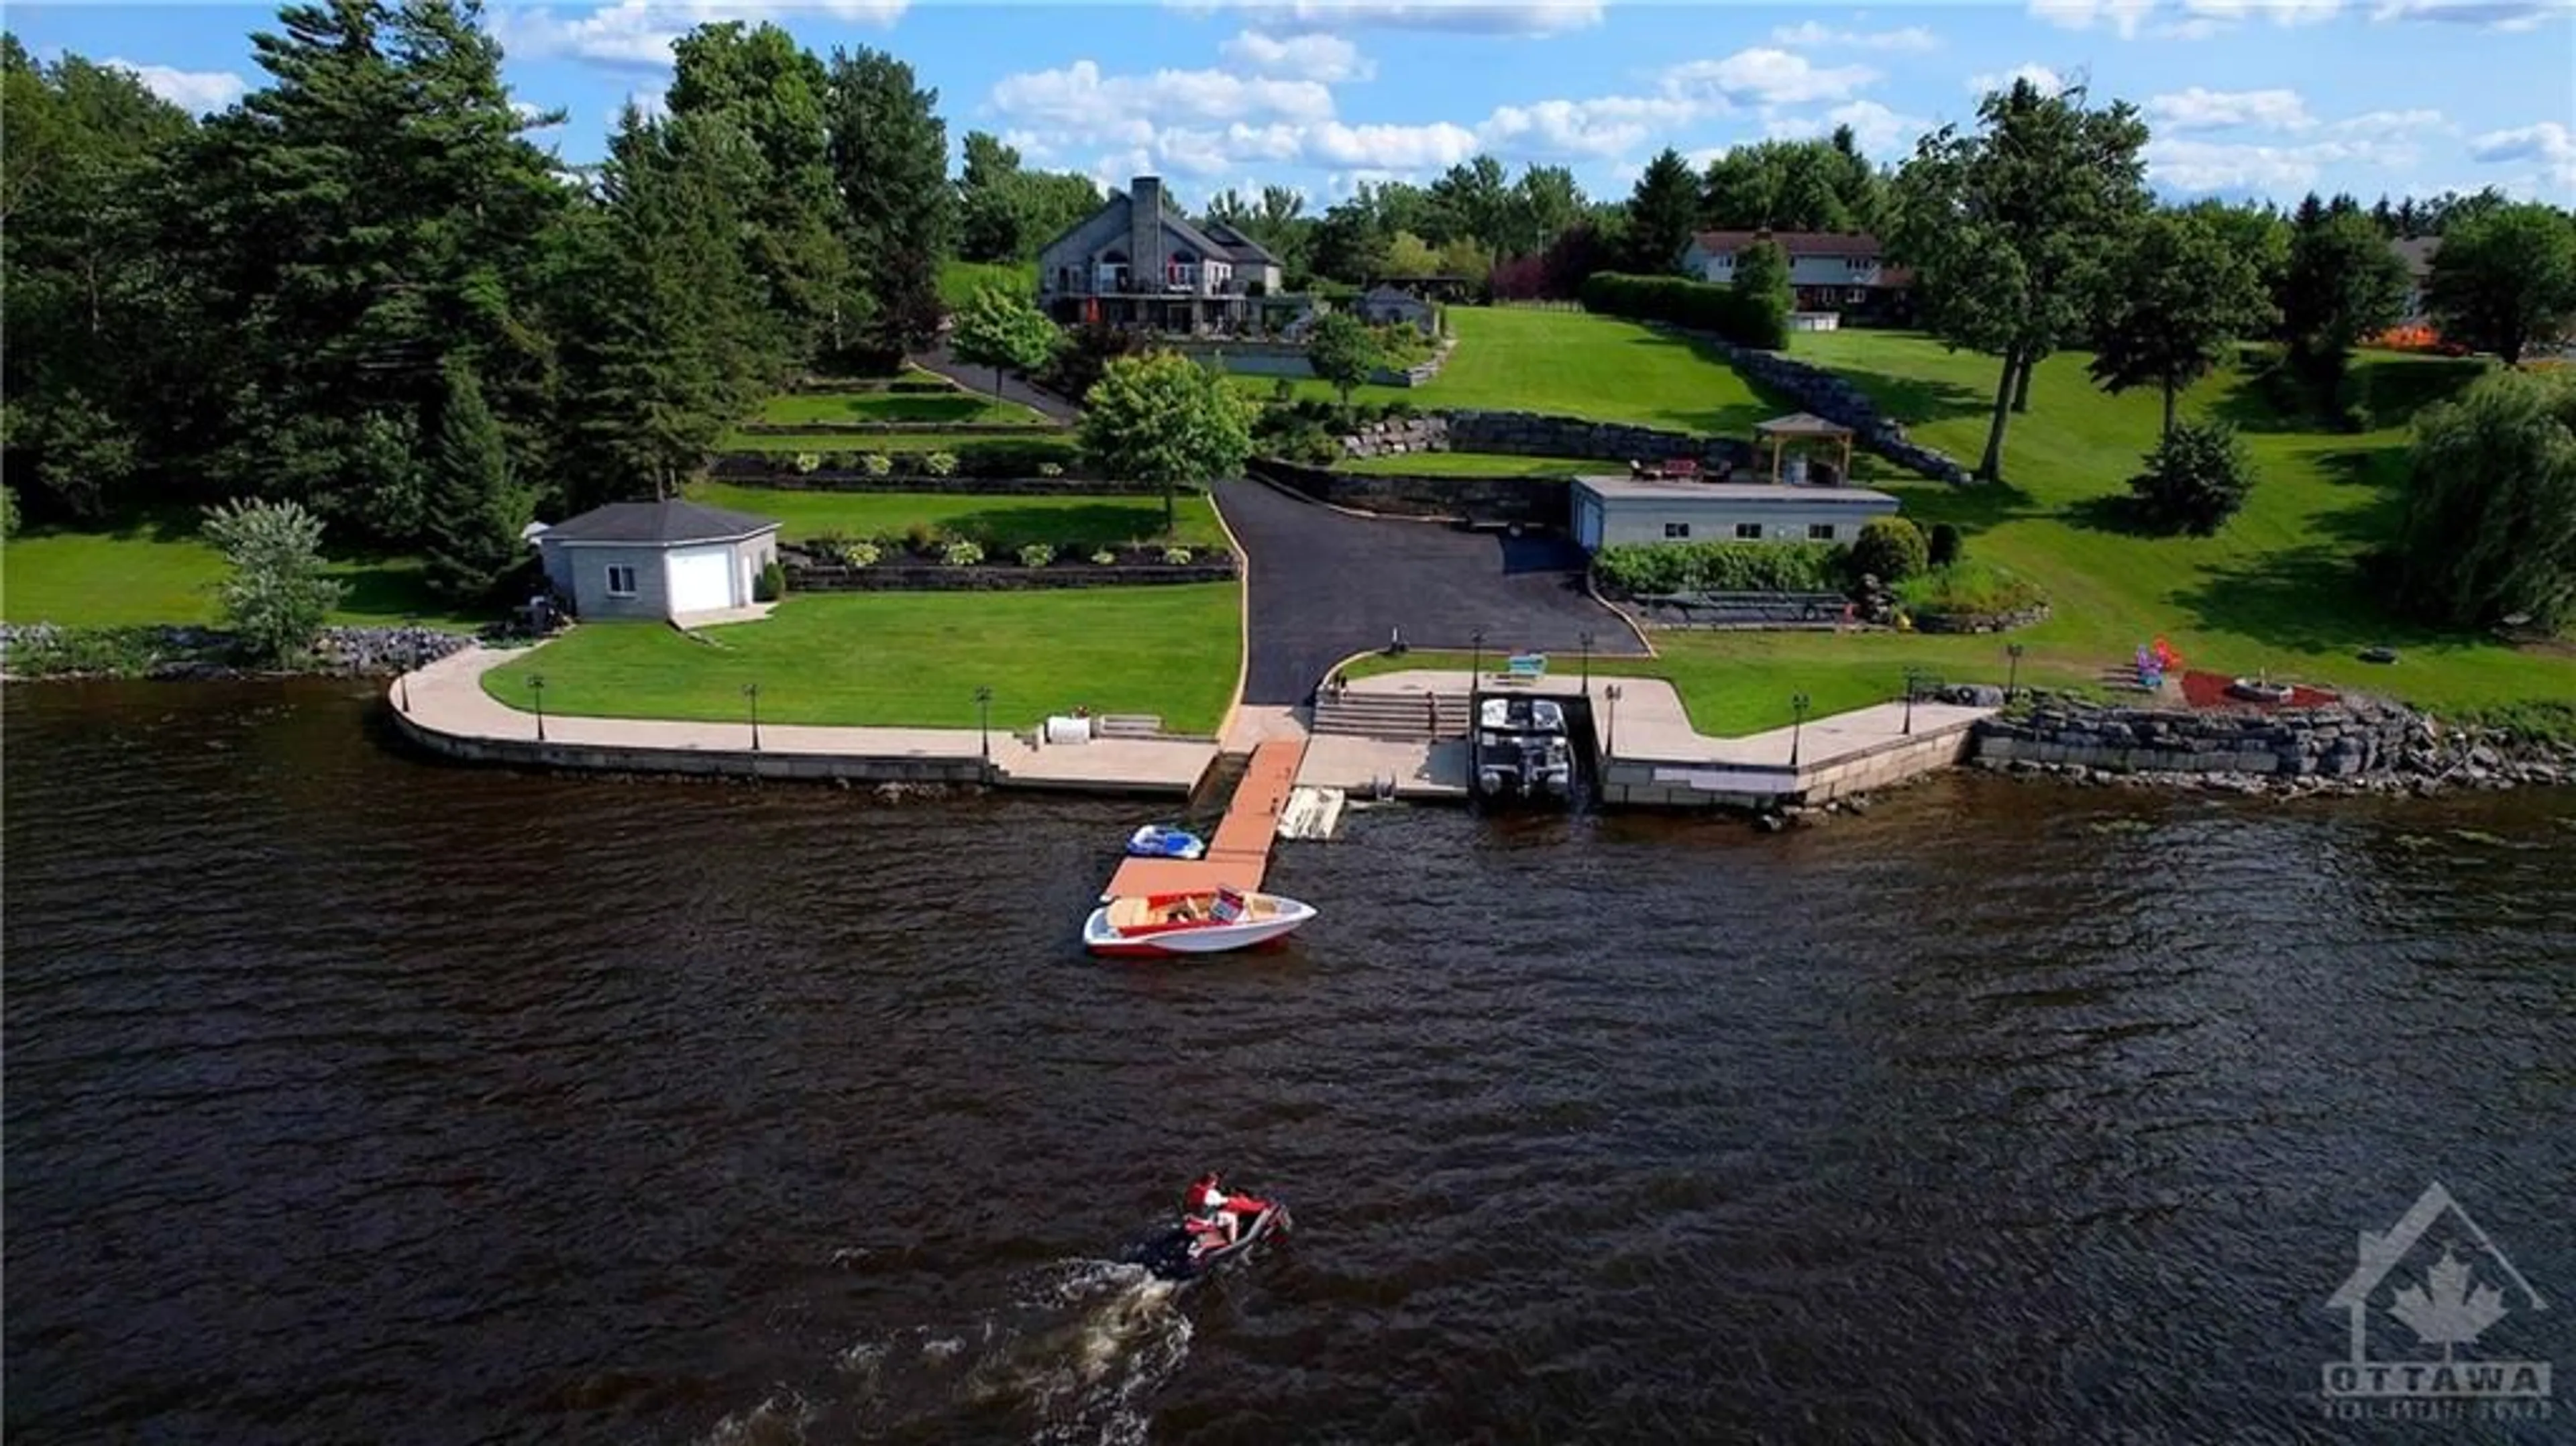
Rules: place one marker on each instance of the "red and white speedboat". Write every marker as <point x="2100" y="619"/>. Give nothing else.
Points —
<point x="1191" y="923"/>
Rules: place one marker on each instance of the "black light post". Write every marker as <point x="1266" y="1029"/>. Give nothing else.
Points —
<point x="1476" y="669"/>
<point x="1911" y="678"/>
<point x="1797" y="725"/>
<point x="537" y="685"/>
<point x="1610" y="740"/>
<point x="984" y="726"/>
<point x="751" y="691"/>
<point x="411" y="659"/>
<point x="1587" y="662"/>
<point x="2012" y="679"/>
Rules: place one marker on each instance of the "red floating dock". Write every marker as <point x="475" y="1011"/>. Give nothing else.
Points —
<point x="1240" y="853"/>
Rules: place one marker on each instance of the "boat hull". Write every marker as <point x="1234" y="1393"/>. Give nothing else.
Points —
<point x="1104" y="938"/>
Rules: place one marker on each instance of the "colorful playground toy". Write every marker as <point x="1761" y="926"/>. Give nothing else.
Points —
<point x="2154" y="662"/>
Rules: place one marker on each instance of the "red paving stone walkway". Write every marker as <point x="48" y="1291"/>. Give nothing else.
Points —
<point x="2209" y="690"/>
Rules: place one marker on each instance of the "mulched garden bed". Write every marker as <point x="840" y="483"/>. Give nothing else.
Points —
<point x="2209" y="690"/>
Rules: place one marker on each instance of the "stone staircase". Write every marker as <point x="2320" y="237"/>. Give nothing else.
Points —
<point x="1405" y="716"/>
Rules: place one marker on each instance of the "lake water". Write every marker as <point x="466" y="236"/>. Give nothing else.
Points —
<point x="355" y="1098"/>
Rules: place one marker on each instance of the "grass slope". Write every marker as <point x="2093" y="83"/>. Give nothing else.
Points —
<point x="960" y="280"/>
<point x="802" y="408"/>
<point x="1574" y="364"/>
<point x="910" y="659"/>
<point x="165" y="573"/>
<point x="1475" y="464"/>
<point x="1086" y="521"/>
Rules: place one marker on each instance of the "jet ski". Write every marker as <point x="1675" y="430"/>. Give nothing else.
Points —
<point x="1154" y="841"/>
<point x="1173" y="1252"/>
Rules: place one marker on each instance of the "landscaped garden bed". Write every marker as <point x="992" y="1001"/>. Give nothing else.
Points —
<point x="949" y="570"/>
<point x="1071" y="523"/>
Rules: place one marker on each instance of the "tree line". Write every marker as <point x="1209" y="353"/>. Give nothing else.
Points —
<point x="364" y="288"/>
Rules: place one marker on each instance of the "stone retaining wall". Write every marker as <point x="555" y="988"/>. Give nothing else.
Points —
<point x="820" y="480"/>
<point x="1531" y="434"/>
<point x="1814" y="389"/>
<point x="2342" y="740"/>
<point x="1000" y="577"/>
<point x="1531" y="502"/>
<point x="191" y="653"/>
<point x="1980" y="622"/>
<point x="893" y="775"/>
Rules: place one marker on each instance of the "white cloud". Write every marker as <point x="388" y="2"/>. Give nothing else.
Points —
<point x="1327" y="58"/>
<point x="1879" y="131"/>
<point x="637" y="34"/>
<point x="2394" y="122"/>
<point x="2548" y="144"/>
<point x="1765" y="77"/>
<point x="2212" y="16"/>
<point x="1814" y="36"/>
<point x="1079" y="97"/>
<point x="2195" y="165"/>
<point x="2197" y="109"/>
<point x="2485" y="14"/>
<point x="1569" y="129"/>
<point x="2123" y="16"/>
<point x="194" y="91"/>
<point x="2048" y="81"/>
<point x="1535" y="17"/>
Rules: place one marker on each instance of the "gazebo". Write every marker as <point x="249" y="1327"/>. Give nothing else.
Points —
<point x="1804" y="427"/>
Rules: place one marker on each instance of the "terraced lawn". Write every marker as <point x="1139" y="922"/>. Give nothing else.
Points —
<point x="1040" y="444"/>
<point x="910" y="659"/>
<point x="803" y="408"/>
<point x="1573" y="364"/>
<point x="995" y="522"/>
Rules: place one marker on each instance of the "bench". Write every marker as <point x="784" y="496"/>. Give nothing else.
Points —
<point x="1523" y="668"/>
<point x="1677" y="469"/>
<point x="1127" y="725"/>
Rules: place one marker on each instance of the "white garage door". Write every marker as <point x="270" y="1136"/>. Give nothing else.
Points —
<point x="701" y="580"/>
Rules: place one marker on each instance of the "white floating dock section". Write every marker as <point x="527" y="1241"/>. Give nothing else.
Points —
<point x="1310" y="813"/>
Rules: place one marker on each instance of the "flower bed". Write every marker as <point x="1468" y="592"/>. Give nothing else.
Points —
<point x="964" y="566"/>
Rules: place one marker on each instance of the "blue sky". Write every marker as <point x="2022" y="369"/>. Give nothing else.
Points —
<point x="2247" y="97"/>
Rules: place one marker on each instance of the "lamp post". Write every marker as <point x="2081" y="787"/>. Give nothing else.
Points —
<point x="411" y="659"/>
<point x="2012" y="678"/>
<point x="537" y="685"/>
<point x="1797" y="725"/>
<point x="1610" y="740"/>
<point x="984" y="728"/>
<point x="1587" y="662"/>
<point x="751" y="692"/>
<point x="1911" y="677"/>
<point x="1476" y="669"/>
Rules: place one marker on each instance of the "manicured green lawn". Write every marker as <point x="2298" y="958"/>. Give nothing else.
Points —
<point x="1055" y="443"/>
<point x="910" y="659"/>
<point x="960" y="280"/>
<point x="799" y="408"/>
<point x="1573" y="364"/>
<point x="1476" y="464"/>
<point x="164" y="573"/>
<point x="1087" y="521"/>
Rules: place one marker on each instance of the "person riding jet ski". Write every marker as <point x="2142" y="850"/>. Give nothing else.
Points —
<point x="1215" y="1218"/>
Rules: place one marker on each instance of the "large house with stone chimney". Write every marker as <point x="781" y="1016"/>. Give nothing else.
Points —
<point x="1842" y="272"/>
<point x="1136" y="264"/>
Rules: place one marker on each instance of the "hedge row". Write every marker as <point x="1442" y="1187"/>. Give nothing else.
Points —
<point x="1698" y="305"/>
<point x="1639" y="568"/>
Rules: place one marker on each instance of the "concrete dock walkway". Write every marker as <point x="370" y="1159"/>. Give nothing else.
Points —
<point x="444" y="707"/>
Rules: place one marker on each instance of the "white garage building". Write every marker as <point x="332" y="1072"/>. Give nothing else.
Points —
<point x="1610" y="510"/>
<point x="657" y="560"/>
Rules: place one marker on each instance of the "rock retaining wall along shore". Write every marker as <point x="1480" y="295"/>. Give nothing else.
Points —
<point x="2357" y="745"/>
<point x="43" y="650"/>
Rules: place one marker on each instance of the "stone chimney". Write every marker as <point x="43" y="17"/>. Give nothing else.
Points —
<point x="1145" y="231"/>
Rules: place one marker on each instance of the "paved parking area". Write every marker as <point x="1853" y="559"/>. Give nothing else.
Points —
<point x="1325" y="585"/>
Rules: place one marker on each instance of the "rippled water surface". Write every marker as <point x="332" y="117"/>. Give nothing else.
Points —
<point x="351" y="1098"/>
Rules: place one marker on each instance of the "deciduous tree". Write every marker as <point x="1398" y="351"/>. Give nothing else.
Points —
<point x="275" y="595"/>
<point x="2173" y="297"/>
<point x="890" y="156"/>
<point x="2195" y="479"/>
<point x="1001" y="330"/>
<point x="2490" y="523"/>
<point x="1762" y="278"/>
<point x="2343" y="283"/>
<point x="1164" y="418"/>
<point x="1343" y="352"/>
<point x="2504" y="279"/>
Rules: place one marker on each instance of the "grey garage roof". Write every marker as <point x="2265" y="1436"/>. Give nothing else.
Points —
<point x="669" y="521"/>
<point x="1628" y="489"/>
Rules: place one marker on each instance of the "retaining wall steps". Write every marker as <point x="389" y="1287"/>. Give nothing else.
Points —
<point x="1403" y="716"/>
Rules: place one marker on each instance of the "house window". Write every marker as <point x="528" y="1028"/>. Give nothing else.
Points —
<point x="1820" y="532"/>
<point x="621" y="580"/>
<point x="1856" y="294"/>
<point x="1673" y="530"/>
<point x="1748" y="532"/>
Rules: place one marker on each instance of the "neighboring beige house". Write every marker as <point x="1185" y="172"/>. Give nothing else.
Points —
<point x="1610" y="510"/>
<point x="2417" y="252"/>
<point x="1134" y="264"/>
<point x="657" y="560"/>
<point x="1828" y="271"/>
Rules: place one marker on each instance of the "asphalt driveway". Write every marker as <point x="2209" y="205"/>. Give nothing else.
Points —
<point x="1326" y="585"/>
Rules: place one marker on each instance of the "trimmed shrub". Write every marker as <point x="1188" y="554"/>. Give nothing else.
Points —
<point x="940" y="464"/>
<point x="8" y="512"/>
<point x="877" y="464"/>
<point x="1639" y="568"/>
<point x="807" y="461"/>
<point x="2196" y="478"/>
<point x="1947" y="545"/>
<point x="1177" y="556"/>
<point x="1036" y="554"/>
<point x="922" y="537"/>
<point x="772" y="583"/>
<point x="1890" y="549"/>
<point x="1103" y="558"/>
<point x="1698" y="305"/>
<point x="860" y="554"/>
<point x="961" y="554"/>
<point x="1979" y="589"/>
<point x="1050" y="470"/>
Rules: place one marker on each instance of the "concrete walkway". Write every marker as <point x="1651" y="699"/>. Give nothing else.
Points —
<point x="449" y="711"/>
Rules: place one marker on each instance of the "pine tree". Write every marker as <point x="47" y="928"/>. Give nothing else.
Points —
<point x="1663" y="212"/>
<point x="890" y="158"/>
<point x="478" y="513"/>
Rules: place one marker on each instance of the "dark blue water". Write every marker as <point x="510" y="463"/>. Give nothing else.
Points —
<point x="351" y="1098"/>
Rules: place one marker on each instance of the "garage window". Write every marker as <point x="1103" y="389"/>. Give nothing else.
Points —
<point x="1676" y="529"/>
<point x="1748" y="532"/>
<point x="621" y="580"/>
<point x="1820" y="532"/>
